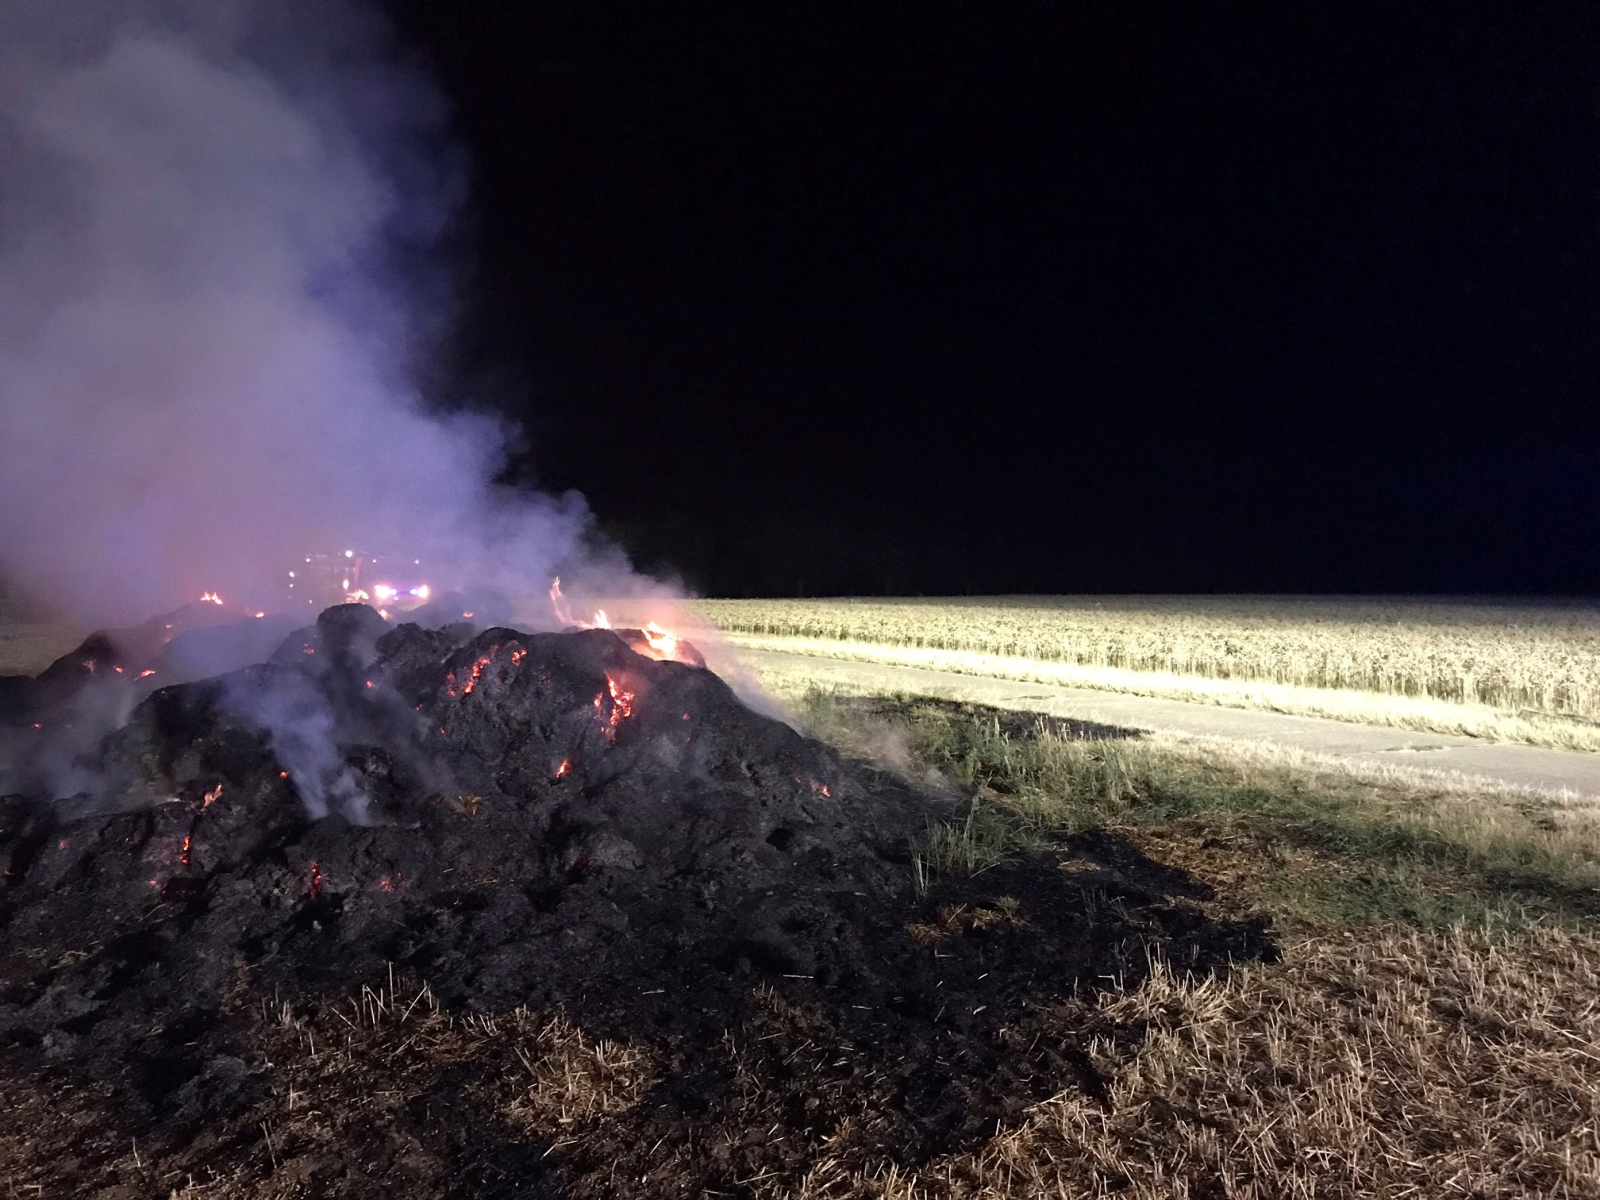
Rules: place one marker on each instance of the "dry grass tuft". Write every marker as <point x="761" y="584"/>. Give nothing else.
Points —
<point x="953" y="919"/>
<point x="576" y="1078"/>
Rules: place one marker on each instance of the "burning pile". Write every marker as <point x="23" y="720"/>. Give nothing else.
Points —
<point x="519" y="819"/>
<point x="502" y="808"/>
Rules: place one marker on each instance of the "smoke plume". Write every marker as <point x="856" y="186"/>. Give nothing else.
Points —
<point x="219" y="225"/>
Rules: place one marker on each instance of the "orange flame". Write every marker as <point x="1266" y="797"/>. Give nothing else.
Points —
<point x="477" y="670"/>
<point x="563" y="614"/>
<point x="621" y="705"/>
<point x="147" y="672"/>
<point x="566" y="766"/>
<point x="663" y="643"/>
<point x="559" y="603"/>
<point x="210" y="598"/>
<point x="183" y="855"/>
<point x="210" y="797"/>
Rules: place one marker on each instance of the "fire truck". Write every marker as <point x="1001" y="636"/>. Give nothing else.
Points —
<point x="391" y="583"/>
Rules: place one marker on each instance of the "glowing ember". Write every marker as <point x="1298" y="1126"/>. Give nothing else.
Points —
<point x="118" y="670"/>
<point x="566" y="766"/>
<point x="147" y="672"/>
<point x="518" y="655"/>
<point x="183" y="855"/>
<point x="210" y="797"/>
<point x="621" y="706"/>
<point x="477" y="670"/>
<point x="315" y="889"/>
<point x="210" y="598"/>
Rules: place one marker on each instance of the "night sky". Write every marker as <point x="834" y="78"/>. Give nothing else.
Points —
<point x="949" y="297"/>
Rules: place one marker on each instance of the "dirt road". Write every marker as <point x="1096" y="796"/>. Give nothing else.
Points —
<point x="1518" y="766"/>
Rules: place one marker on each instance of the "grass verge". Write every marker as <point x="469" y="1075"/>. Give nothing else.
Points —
<point x="1314" y="841"/>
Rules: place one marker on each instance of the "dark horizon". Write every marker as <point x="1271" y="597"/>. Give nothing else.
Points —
<point x="936" y="299"/>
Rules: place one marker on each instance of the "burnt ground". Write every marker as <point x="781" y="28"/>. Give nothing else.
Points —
<point x="310" y="925"/>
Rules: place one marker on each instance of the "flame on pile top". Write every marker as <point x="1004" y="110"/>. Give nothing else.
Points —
<point x="210" y="598"/>
<point x="659" y="643"/>
<point x="662" y="642"/>
<point x="564" y="614"/>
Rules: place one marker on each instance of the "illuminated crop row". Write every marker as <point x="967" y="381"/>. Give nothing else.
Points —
<point x="1543" y="657"/>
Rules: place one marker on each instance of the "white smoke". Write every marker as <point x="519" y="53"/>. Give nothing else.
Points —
<point x="212" y="216"/>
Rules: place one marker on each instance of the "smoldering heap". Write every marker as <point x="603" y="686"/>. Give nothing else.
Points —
<point x="536" y="819"/>
<point x="486" y="777"/>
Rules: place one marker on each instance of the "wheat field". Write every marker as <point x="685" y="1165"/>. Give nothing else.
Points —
<point x="1526" y="672"/>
